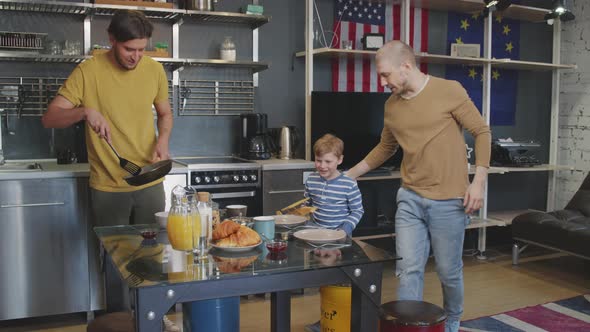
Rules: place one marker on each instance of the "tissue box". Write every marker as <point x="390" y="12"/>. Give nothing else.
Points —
<point x="254" y="9"/>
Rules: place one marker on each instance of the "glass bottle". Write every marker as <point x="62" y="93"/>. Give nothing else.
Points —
<point x="206" y="213"/>
<point x="228" y="50"/>
<point x="180" y="230"/>
<point x="215" y="217"/>
<point x="195" y="220"/>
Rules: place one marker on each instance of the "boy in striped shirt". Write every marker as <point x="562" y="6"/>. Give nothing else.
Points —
<point x="336" y="196"/>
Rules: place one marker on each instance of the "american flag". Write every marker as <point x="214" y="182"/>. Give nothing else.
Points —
<point x="354" y="18"/>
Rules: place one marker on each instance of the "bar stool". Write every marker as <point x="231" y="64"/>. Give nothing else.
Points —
<point x="411" y="316"/>
<point x="113" y="322"/>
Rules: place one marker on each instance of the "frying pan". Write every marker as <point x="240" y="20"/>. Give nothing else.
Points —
<point x="150" y="173"/>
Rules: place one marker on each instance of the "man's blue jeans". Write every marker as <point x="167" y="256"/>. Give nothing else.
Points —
<point x="420" y="223"/>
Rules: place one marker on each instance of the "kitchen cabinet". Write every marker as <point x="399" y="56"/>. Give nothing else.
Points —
<point x="43" y="239"/>
<point x="280" y="188"/>
<point x="487" y="63"/>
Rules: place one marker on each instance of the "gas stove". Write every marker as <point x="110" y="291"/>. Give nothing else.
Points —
<point x="221" y="172"/>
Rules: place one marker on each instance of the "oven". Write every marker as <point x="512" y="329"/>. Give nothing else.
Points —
<point x="230" y="180"/>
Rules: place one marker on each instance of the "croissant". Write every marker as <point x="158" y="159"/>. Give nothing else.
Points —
<point x="225" y="229"/>
<point x="242" y="238"/>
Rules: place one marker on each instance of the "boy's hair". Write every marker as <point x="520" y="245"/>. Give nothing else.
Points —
<point x="130" y="24"/>
<point x="328" y="143"/>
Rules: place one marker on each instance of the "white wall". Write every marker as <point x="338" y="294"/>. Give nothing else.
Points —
<point x="574" y="109"/>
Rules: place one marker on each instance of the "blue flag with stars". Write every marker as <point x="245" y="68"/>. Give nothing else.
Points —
<point x="469" y="29"/>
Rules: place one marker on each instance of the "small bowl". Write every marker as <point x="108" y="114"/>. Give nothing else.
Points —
<point x="276" y="245"/>
<point x="162" y="218"/>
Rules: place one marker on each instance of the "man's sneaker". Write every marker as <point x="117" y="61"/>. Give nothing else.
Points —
<point x="315" y="327"/>
<point x="169" y="326"/>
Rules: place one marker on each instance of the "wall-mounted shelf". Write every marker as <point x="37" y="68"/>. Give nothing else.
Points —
<point x="151" y="12"/>
<point x="61" y="7"/>
<point x="477" y="222"/>
<point x="254" y="21"/>
<point x="336" y="52"/>
<point x="450" y="60"/>
<point x="517" y="12"/>
<point x="507" y="216"/>
<point x="171" y="62"/>
<point x="255" y="66"/>
<point x="446" y="59"/>
<point x="538" y="168"/>
<point x="529" y="65"/>
<point x="46" y="58"/>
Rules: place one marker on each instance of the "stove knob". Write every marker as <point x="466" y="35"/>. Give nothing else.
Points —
<point x="236" y="178"/>
<point x="198" y="179"/>
<point x="216" y="179"/>
<point x="207" y="179"/>
<point x="253" y="177"/>
<point x="245" y="178"/>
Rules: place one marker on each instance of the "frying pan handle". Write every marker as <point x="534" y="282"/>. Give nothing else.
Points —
<point x="115" y="151"/>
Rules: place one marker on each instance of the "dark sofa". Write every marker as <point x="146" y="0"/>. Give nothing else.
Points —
<point x="566" y="230"/>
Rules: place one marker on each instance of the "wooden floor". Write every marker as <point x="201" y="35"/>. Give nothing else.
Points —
<point x="491" y="286"/>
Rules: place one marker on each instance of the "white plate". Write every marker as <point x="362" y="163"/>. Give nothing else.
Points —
<point x="236" y="249"/>
<point x="320" y="235"/>
<point x="289" y="220"/>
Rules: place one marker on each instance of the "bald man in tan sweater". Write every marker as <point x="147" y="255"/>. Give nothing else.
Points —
<point x="426" y="116"/>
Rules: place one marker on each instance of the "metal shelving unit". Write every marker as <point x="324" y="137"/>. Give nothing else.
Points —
<point x="79" y="8"/>
<point x="58" y="7"/>
<point x="176" y="16"/>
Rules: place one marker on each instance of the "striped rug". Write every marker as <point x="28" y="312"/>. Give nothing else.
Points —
<point x="560" y="316"/>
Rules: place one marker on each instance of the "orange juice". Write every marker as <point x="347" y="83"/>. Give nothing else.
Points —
<point x="180" y="232"/>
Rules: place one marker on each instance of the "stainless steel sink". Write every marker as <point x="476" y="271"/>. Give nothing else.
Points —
<point x="20" y="167"/>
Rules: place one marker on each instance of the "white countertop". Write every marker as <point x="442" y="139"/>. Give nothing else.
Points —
<point x="51" y="169"/>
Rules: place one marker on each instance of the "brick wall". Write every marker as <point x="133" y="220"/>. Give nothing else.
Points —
<point x="574" y="108"/>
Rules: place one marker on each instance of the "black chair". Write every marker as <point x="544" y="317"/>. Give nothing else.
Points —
<point x="566" y="230"/>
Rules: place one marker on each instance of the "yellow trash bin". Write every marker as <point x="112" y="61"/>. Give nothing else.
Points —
<point x="335" y="307"/>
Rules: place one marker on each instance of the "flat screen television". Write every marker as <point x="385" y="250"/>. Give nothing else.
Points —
<point x="356" y="118"/>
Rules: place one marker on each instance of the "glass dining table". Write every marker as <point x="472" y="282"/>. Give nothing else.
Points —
<point x="158" y="276"/>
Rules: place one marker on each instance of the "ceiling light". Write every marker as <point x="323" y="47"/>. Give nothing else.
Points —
<point x="559" y="11"/>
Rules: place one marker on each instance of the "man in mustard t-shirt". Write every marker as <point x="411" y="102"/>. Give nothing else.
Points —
<point x="426" y="116"/>
<point x="114" y="93"/>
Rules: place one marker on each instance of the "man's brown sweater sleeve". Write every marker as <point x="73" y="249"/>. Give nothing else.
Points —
<point x="467" y="115"/>
<point x="383" y="151"/>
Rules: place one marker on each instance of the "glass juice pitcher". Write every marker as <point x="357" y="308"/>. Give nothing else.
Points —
<point x="180" y="227"/>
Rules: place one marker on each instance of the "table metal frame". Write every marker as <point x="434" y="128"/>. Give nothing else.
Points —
<point x="151" y="303"/>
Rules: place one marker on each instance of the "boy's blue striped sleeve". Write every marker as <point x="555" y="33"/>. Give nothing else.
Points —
<point x="355" y="204"/>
